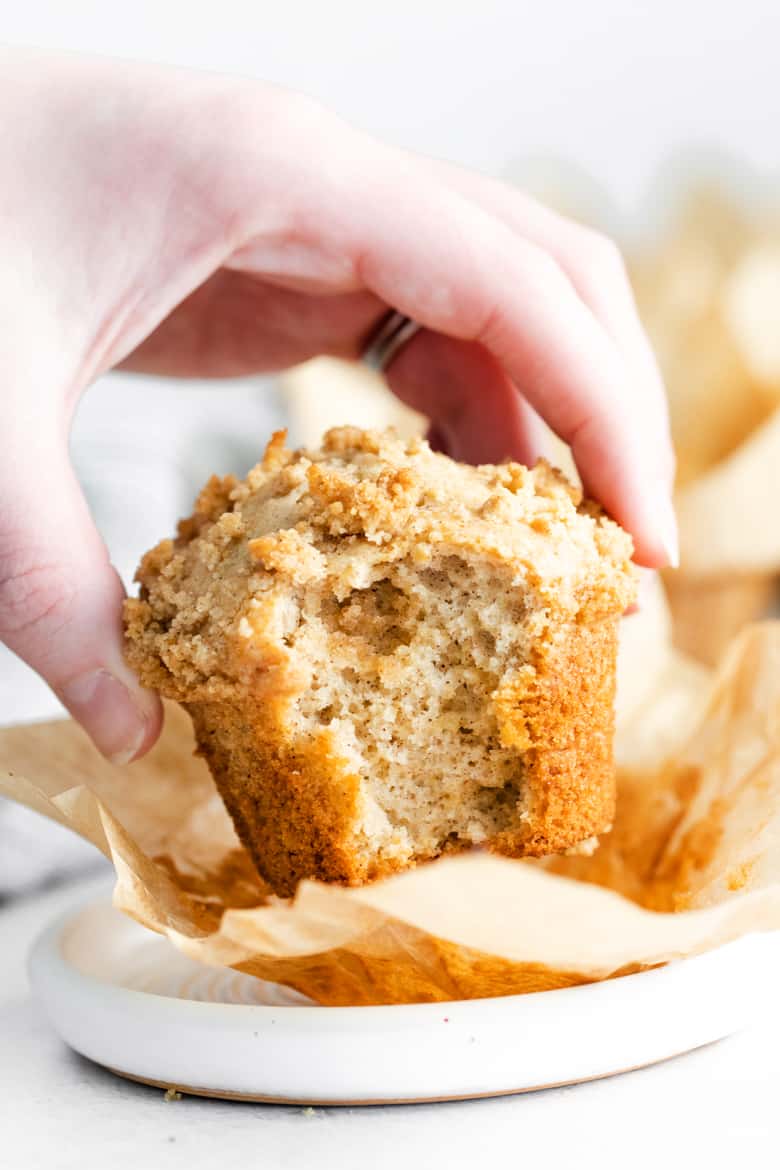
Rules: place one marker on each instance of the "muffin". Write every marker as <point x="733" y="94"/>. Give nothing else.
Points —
<point x="388" y="655"/>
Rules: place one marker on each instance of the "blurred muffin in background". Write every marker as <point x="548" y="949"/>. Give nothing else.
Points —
<point x="327" y="392"/>
<point x="705" y="296"/>
<point x="709" y="296"/>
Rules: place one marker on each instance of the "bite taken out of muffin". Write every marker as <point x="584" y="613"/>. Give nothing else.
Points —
<point x="388" y="655"/>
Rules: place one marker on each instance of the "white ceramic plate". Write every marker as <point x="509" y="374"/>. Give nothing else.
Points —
<point x="124" y="997"/>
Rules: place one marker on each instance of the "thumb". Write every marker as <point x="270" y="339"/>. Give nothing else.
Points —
<point x="61" y="603"/>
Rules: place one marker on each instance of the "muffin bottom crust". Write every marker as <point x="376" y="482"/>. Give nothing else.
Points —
<point x="298" y="814"/>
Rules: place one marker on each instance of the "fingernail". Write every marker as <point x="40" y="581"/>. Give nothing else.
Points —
<point x="670" y="540"/>
<point x="102" y="704"/>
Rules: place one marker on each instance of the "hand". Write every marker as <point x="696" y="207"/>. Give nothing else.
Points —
<point x="191" y="224"/>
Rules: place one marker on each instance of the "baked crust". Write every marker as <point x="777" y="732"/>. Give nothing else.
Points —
<point x="290" y="601"/>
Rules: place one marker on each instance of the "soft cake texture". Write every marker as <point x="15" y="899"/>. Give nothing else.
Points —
<point x="388" y="655"/>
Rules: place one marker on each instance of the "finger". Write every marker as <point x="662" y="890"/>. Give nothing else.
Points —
<point x="237" y="323"/>
<point x="60" y="605"/>
<point x="459" y="271"/>
<point x="375" y="221"/>
<point x="595" y="268"/>
<point x="476" y="412"/>
<point x="437" y="440"/>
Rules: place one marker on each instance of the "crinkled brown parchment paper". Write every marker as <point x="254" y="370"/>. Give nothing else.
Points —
<point x="693" y="860"/>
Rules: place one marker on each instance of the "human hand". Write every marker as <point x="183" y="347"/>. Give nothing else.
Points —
<point x="192" y="224"/>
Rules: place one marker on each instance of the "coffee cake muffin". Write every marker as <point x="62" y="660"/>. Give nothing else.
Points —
<point x="388" y="655"/>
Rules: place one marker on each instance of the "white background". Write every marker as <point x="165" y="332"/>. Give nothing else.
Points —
<point x="613" y="86"/>
<point x="617" y="93"/>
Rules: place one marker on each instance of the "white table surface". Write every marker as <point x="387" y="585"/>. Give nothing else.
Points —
<point x="714" y="1107"/>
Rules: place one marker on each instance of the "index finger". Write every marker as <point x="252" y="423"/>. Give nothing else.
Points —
<point x="458" y="270"/>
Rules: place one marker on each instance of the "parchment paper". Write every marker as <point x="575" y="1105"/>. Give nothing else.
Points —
<point x="693" y="860"/>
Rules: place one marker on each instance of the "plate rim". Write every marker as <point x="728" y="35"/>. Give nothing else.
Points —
<point x="265" y="1041"/>
<point x="46" y="951"/>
